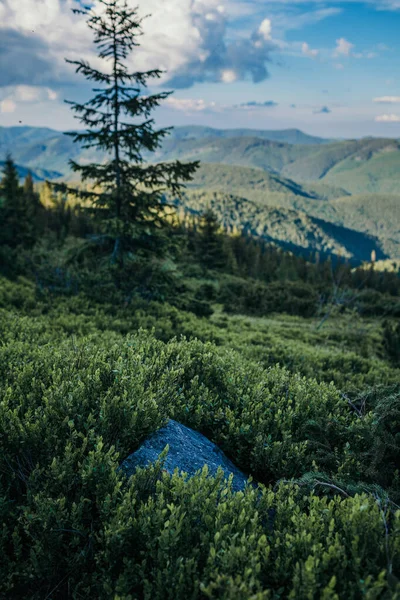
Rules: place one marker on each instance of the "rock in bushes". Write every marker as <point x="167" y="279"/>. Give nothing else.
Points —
<point x="189" y="451"/>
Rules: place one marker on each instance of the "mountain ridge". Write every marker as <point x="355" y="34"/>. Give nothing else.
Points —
<point x="352" y="183"/>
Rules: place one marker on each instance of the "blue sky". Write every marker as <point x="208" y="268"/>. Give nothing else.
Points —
<point x="329" y="68"/>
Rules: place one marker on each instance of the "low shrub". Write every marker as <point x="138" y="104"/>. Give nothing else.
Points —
<point x="72" y="407"/>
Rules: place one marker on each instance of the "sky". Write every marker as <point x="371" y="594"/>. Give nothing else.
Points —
<point x="330" y="68"/>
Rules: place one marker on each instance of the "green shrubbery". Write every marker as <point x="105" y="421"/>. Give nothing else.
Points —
<point x="258" y="299"/>
<point x="73" y="407"/>
<point x="391" y="341"/>
<point x="347" y="350"/>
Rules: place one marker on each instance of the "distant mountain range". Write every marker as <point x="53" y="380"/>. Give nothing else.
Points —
<point x="288" y="136"/>
<point x="37" y="174"/>
<point x="344" y="196"/>
<point x="366" y="165"/>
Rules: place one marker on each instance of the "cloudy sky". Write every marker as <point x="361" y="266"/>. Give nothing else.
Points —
<point x="330" y="68"/>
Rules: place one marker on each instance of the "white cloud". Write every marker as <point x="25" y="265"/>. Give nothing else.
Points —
<point x="388" y="119"/>
<point x="188" y="104"/>
<point x="307" y="51"/>
<point x="338" y="66"/>
<point x="7" y="106"/>
<point x="364" y="55"/>
<point x="19" y="96"/>
<point x="343" y="47"/>
<point x="265" y="29"/>
<point x="228" y="76"/>
<point x="186" y="38"/>
<point x="51" y="94"/>
<point x="387" y="100"/>
<point x="27" y="94"/>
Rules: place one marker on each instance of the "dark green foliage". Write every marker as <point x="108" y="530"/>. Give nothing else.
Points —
<point x="258" y="299"/>
<point x="129" y="206"/>
<point x="391" y="341"/>
<point x="210" y="242"/>
<point x="19" y="209"/>
<point x="72" y="408"/>
<point x="384" y="403"/>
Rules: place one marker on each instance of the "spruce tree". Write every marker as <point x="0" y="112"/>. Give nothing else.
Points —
<point x="211" y="243"/>
<point x="130" y="204"/>
<point x="10" y="189"/>
<point x="16" y="225"/>
<point x="28" y="185"/>
<point x="32" y="202"/>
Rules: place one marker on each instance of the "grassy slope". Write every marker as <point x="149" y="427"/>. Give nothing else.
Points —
<point x="261" y="186"/>
<point x="367" y="165"/>
<point x="379" y="173"/>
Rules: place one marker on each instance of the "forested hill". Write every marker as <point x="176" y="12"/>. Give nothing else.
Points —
<point x="351" y="184"/>
<point x="288" y="136"/>
<point x="289" y="229"/>
<point x="366" y="165"/>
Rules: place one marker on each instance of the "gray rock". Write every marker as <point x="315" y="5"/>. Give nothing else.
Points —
<point x="188" y="450"/>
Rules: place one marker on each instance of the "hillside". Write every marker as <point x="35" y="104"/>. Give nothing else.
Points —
<point x="376" y="214"/>
<point x="49" y="149"/>
<point x="261" y="186"/>
<point x="244" y="151"/>
<point x="377" y="173"/>
<point x="288" y="136"/>
<point x="366" y="165"/>
<point x="316" y="178"/>
<point x="372" y="214"/>
<point x="290" y="229"/>
<point x="37" y="174"/>
<point x="24" y="135"/>
<point x="45" y="149"/>
<point x="369" y="165"/>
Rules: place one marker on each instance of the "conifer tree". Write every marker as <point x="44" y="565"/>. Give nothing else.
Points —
<point x="31" y="200"/>
<point x="130" y="204"/>
<point x="16" y="225"/>
<point x="28" y="185"/>
<point x="211" y="243"/>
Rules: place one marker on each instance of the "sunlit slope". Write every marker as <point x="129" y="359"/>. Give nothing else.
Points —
<point x="375" y="214"/>
<point x="261" y="186"/>
<point x="323" y="160"/>
<point x="245" y="151"/>
<point x="367" y="165"/>
<point x="291" y="229"/>
<point x="379" y="173"/>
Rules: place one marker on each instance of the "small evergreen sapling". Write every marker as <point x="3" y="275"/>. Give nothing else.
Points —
<point x="130" y="206"/>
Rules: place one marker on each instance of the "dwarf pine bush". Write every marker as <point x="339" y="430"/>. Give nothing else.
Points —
<point x="73" y="407"/>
